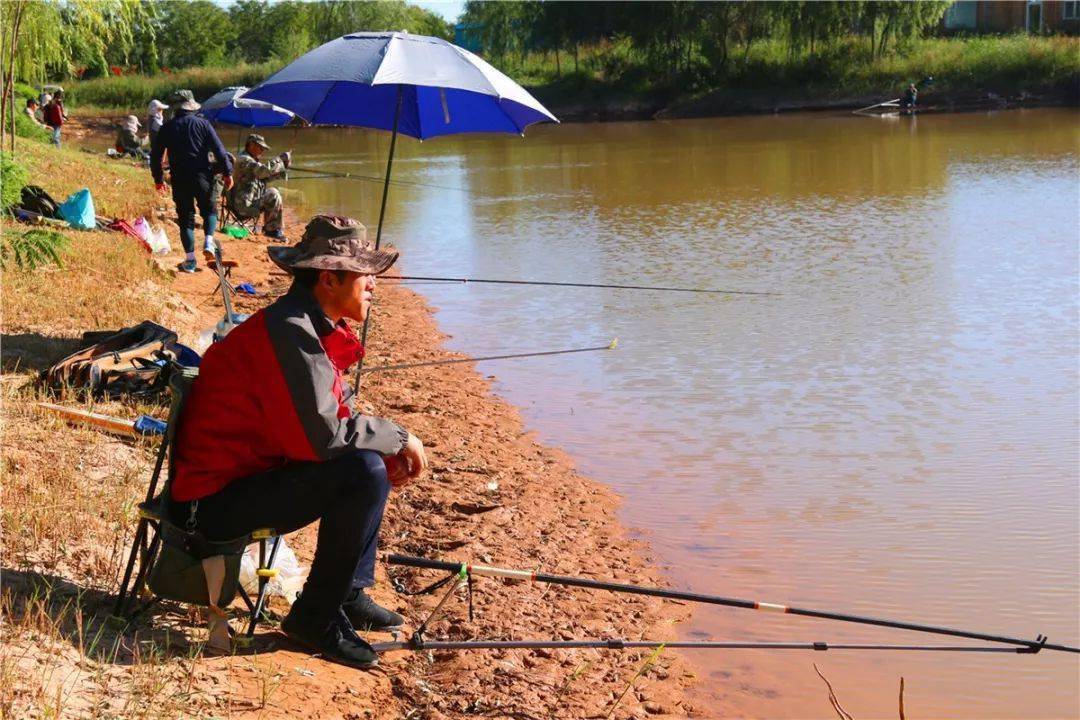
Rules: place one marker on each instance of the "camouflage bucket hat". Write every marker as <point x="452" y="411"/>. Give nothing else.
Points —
<point x="333" y="243"/>
<point x="258" y="140"/>
<point x="183" y="100"/>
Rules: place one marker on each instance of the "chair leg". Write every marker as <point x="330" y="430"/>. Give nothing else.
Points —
<point x="246" y="598"/>
<point x="264" y="580"/>
<point x="140" y="532"/>
<point x="144" y="567"/>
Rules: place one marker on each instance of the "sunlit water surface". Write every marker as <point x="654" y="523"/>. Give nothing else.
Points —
<point x="895" y="433"/>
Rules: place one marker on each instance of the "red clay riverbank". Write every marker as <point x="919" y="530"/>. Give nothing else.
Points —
<point x="493" y="495"/>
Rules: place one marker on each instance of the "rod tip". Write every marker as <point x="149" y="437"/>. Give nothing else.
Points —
<point x="614" y="344"/>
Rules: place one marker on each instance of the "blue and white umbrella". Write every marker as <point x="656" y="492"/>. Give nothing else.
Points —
<point x="419" y="86"/>
<point x="232" y="106"/>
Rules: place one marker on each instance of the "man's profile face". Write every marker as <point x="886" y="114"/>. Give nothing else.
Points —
<point x="351" y="294"/>
<point x="255" y="150"/>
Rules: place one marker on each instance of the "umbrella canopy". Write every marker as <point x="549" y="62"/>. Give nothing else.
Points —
<point x="231" y="106"/>
<point x="355" y="80"/>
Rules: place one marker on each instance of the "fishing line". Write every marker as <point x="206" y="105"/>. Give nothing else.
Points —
<point x="453" y="361"/>
<point x="609" y="286"/>
<point x="317" y="174"/>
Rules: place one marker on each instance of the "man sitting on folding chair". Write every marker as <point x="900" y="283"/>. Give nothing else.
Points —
<point x="249" y="195"/>
<point x="268" y="438"/>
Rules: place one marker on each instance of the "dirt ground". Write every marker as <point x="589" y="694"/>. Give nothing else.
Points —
<point x="493" y="495"/>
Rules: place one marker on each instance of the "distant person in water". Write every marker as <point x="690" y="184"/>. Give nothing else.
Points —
<point x="911" y="95"/>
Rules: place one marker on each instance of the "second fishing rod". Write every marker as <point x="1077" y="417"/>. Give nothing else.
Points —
<point x="1023" y="645"/>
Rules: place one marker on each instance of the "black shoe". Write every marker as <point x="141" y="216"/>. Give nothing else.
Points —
<point x="364" y="613"/>
<point x="333" y="639"/>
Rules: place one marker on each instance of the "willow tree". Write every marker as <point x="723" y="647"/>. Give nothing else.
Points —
<point x="46" y="39"/>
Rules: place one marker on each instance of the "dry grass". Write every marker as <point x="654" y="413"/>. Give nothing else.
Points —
<point x="69" y="494"/>
<point x="107" y="279"/>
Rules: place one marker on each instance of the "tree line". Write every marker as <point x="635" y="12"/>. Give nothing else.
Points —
<point x="53" y="40"/>
<point x="680" y="37"/>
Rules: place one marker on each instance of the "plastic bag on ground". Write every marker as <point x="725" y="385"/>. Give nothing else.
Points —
<point x="158" y="241"/>
<point x="204" y="340"/>
<point x="141" y="228"/>
<point x="78" y="210"/>
<point x="290" y="577"/>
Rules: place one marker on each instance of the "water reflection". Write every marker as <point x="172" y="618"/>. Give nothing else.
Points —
<point x="896" y="434"/>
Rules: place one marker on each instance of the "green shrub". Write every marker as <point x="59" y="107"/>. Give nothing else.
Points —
<point x="32" y="249"/>
<point x="27" y="128"/>
<point x="136" y="91"/>
<point x="13" y="177"/>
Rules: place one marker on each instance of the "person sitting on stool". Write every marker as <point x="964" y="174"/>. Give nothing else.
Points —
<point x="269" y="438"/>
<point x="249" y="195"/>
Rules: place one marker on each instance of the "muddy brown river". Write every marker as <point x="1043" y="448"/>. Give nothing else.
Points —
<point x="894" y="433"/>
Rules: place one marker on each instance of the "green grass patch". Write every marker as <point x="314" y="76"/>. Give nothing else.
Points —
<point x="841" y="68"/>
<point x="136" y="91"/>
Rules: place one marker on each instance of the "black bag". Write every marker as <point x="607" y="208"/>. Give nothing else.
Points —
<point x="134" y="361"/>
<point x="36" y="200"/>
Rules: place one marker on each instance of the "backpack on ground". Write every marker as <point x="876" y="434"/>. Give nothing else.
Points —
<point x="133" y="361"/>
<point x="36" y="200"/>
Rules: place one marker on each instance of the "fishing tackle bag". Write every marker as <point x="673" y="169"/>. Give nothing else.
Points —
<point x="134" y="361"/>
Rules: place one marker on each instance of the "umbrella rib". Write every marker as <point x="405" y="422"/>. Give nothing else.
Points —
<point x="318" y="108"/>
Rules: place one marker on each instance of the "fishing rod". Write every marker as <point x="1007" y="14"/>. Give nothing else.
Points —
<point x="403" y="366"/>
<point x="1028" y="646"/>
<point x="317" y="174"/>
<point x="421" y="643"/>
<point x="577" y="284"/>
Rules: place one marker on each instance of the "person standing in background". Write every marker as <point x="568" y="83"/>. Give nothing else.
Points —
<point x="55" y="115"/>
<point x="189" y="140"/>
<point x="155" y="118"/>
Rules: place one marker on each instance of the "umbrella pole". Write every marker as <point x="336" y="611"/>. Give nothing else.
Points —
<point x="378" y="232"/>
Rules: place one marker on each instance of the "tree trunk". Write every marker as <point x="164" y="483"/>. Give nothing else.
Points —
<point x="558" y="64"/>
<point x="576" y="47"/>
<point x="9" y="80"/>
<point x="4" y="88"/>
<point x="885" y="32"/>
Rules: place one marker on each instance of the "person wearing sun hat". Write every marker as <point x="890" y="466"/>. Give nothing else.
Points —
<point x="155" y="117"/>
<point x="191" y="141"/>
<point x="269" y="437"/>
<point x="128" y="141"/>
<point x="249" y="195"/>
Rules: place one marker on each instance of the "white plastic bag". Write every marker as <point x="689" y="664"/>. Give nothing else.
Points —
<point x="141" y="228"/>
<point x="158" y="241"/>
<point x="203" y="341"/>
<point x="290" y="577"/>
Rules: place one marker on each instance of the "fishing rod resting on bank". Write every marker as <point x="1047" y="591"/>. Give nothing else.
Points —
<point x="463" y="571"/>
<point x="418" y="641"/>
<point x="658" y="288"/>
<point x="453" y="361"/>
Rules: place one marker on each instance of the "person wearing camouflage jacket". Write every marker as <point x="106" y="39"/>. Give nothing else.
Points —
<point x="249" y="195"/>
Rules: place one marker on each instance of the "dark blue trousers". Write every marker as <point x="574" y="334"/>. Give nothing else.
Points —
<point x="347" y="495"/>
